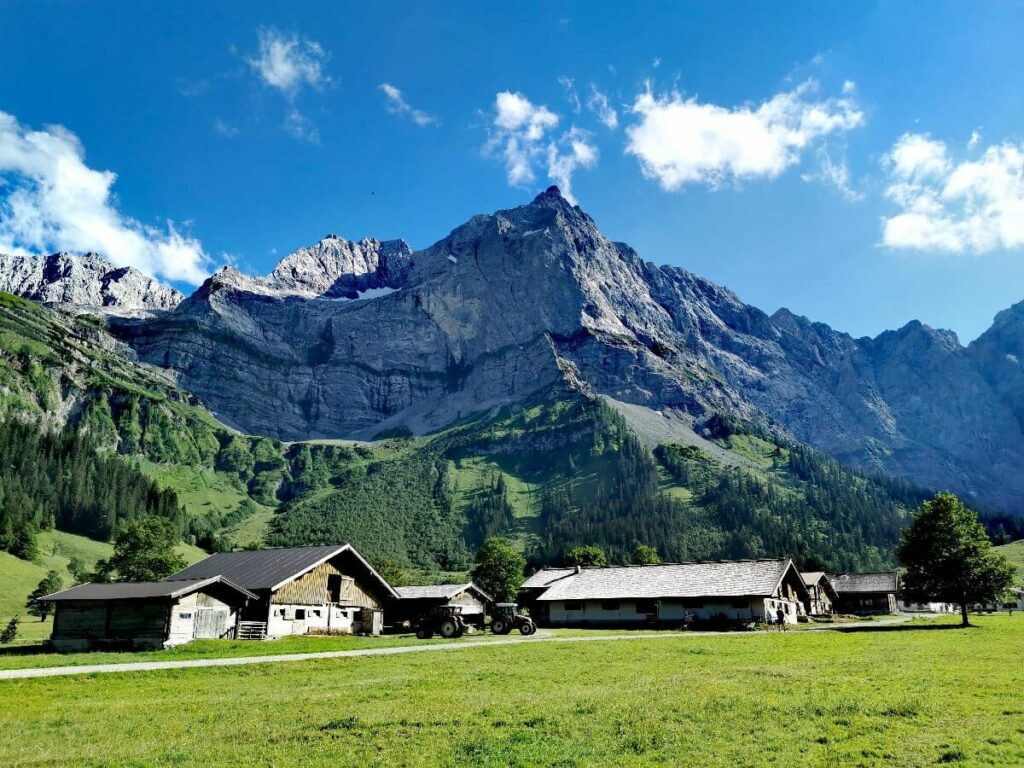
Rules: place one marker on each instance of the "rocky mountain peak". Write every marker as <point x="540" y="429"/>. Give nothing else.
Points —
<point x="88" y="280"/>
<point x="336" y="267"/>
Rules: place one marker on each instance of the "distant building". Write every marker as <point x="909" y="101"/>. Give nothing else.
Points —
<point x="146" y="615"/>
<point x="415" y="601"/>
<point x="329" y="589"/>
<point x="866" y="593"/>
<point x="821" y="594"/>
<point x="908" y="606"/>
<point x="668" y="593"/>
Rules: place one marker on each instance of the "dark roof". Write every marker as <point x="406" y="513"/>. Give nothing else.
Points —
<point x="271" y="569"/>
<point x="439" y="591"/>
<point x="719" y="578"/>
<point x="884" y="581"/>
<point x="142" y="590"/>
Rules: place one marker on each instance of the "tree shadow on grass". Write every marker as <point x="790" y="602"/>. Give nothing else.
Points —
<point x="904" y="628"/>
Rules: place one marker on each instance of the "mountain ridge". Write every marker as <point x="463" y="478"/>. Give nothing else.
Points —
<point x="353" y="339"/>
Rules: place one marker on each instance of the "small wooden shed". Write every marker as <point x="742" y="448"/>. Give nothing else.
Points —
<point x="866" y="593"/>
<point x="145" y="615"/>
<point x="415" y="601"/>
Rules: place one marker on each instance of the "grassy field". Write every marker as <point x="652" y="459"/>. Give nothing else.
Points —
<point x="1014" y="552"/>
<point x="907" y="697"/>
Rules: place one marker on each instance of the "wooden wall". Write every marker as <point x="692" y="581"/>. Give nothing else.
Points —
<point x="311" y="589"/>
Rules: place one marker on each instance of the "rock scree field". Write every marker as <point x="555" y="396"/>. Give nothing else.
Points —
<point x="919" y="694"/>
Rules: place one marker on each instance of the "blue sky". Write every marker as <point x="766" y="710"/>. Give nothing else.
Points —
<point x="858" y="163"/>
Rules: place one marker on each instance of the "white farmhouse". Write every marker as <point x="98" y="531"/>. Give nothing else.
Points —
<point x="669" y="593"/>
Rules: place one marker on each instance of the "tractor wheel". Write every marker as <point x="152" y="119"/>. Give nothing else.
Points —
<point x="449" y="628"/>
<point x="424" y="634"/>
<point x="527" y="628"/>
<point x="499" y="627"/>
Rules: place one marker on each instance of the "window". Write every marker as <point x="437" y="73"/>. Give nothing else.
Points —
<point x="300" y="614"/>
<point x="334" y="588"/>
<point x="609" y="605"/>
<point x="693" y="603"/>
<point x="649" y="607"/>
<point x="184" y="615"/>
<point x="740" y="604"/>
<point x="573" y="605"/>
<point x="316" y="613"/>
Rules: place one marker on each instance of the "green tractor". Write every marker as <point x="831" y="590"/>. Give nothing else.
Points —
<point x="504" y="619"/>
<point x="444" y="620"/>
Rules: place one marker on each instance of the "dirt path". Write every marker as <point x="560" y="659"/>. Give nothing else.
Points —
<point x="540" y="637"/>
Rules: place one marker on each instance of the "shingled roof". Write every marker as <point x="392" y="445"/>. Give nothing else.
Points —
<point x="735" y="578"/>
<point x="438" y="591"/>
<point x="142" y="590"/>
<point x="544" y="577"/>
<point x="271" y="569"/>
<point x="884" y="581"/>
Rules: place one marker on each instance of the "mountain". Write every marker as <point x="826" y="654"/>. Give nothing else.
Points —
<point x="88" y="280"/>
<point x="552" y="472"/>
<point x="349" y="339"/>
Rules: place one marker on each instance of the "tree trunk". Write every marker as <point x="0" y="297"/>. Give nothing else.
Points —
<point x="965" y="622"/>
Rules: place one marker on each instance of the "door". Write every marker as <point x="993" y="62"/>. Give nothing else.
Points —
<point x="211" y="622"/>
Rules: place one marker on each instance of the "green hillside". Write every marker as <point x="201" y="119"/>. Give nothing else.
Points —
<point x="1014" y="552"/>
<point x="551" y="475"/>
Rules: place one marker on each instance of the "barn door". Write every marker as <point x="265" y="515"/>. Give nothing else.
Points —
<point x="211" y="622"/>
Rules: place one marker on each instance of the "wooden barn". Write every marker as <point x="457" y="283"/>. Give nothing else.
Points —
<point x="146" y="615"/>
<point x="416" y="601"/>
<point x="866" y="593"/>
<point x="673" y="593"/>
<point x="821" y="595"/>
<point x="329" y="589"/>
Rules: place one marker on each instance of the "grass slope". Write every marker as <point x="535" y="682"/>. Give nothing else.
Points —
<point x="1014" y="552"/>
<point x="799" y="699"/>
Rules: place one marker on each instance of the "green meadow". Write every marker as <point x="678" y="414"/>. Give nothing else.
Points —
<point x="919" y="695"/>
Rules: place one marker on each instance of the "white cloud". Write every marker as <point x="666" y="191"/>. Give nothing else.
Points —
<point x="300" y="127"/>
<point x="399" y="106"/>
<point x="570" y="92"/>
<point x="225" y="129"/>
<point x="520" y="128"/>
<point x="287" y="62"/>
<point x="972" y="206"/>
<point x="834" y="174"/>
<point x="523" y="133"/>
<point x="572" y="151"/>
<point x="975" y="139"/>
<point x="683" y="141"/>
<point x="598" y="103"/>
<point x="53" y="201"/>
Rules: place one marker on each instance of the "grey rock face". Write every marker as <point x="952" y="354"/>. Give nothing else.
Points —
<point x="335" y="267"/>
<point x="86" y="281"/>
<point x="350" y="339"/>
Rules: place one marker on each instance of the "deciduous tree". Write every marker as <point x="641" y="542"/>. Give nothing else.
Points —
<point x="948" y="557"/>
<point x="499" y="569"/>
<point x="49" y="584"/>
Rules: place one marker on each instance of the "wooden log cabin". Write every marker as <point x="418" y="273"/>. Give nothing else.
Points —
<point x="328" y="589"/>
<point x="145" y="615"/>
